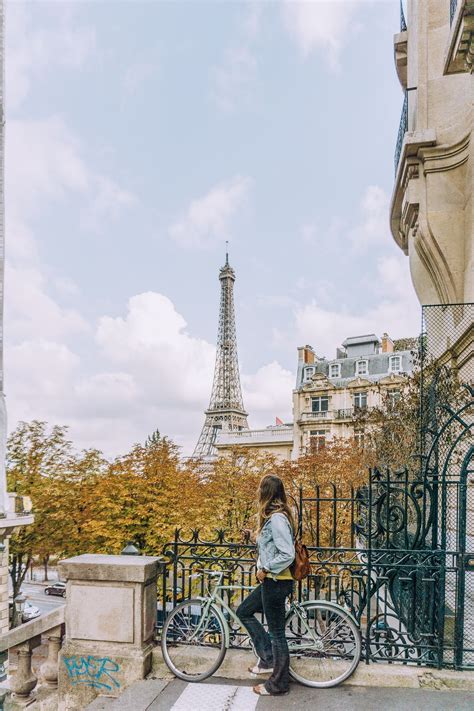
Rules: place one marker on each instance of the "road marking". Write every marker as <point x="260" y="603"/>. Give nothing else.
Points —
<point x="216" y="697"/>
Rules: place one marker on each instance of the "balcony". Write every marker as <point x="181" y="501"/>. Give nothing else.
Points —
<point x="317" y="416"/>
<point x="402" y="130"/>
<point x="270" y="435"/>
<point x="400" y="45"/>
<point x="346" y="414"/>
<point x="460" y="51"/>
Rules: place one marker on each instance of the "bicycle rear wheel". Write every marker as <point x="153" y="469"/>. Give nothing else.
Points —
<point x="193" y="646"/>
<point x="324" y="642"/>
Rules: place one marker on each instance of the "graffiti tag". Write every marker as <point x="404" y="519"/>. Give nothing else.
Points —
<point x="92" y="671"/>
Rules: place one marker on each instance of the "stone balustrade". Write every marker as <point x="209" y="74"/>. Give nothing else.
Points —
<point x="23" y="640"/>
<point x="99" y="642"/>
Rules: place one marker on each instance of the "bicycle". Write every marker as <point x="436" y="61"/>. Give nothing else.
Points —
<point x="323" y="638"/>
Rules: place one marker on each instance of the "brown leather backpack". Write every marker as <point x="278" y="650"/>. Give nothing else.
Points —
<point x="301" y="567"/>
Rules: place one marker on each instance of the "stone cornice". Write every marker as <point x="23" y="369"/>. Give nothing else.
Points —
<point x="407" y="171"/>
<point x="459" y="55"/>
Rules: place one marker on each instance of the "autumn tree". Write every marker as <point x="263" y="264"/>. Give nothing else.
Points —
<point x="144" y="496"/>
<point x="35" y="456"/>
<point x="42" y="464"/>
<point x="230" y="488"/>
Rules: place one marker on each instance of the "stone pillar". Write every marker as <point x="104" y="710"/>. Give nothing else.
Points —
<point x="110" y="623"/>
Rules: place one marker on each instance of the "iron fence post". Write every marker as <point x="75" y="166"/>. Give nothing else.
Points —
<point x="369" y="571"/>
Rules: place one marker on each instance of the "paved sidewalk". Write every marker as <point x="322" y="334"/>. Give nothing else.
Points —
<point x="231" y="695"/>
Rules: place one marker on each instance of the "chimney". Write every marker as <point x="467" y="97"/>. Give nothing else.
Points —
<point x="305" y="354"/>
<point x="387" y="344"/>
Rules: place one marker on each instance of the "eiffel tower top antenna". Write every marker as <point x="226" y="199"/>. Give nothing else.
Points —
<point x="226" y="408"/>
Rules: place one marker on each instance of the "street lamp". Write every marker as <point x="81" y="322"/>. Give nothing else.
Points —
<point x="130" y="549"/>
<point x="19" y="607"/>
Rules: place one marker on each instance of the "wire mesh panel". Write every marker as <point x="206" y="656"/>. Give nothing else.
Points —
<point x="447" y="425"/>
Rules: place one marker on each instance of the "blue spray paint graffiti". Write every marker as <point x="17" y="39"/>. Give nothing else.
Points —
<point x="92" y="671"/>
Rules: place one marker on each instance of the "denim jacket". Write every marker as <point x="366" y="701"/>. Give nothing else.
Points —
<point x="276" y="549"/>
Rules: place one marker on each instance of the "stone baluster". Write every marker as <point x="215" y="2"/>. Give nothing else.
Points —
<point x="24" y="681"/>
<point x="49" y="670"/>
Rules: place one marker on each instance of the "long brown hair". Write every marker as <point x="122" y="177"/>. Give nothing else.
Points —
<point x="272" y="499"/>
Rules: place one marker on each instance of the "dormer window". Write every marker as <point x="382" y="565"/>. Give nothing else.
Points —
<point x="308" y="373"/>
<point x="335" y="370"/>
<point x="362" y="367"/>
<point x="395" y="364"/>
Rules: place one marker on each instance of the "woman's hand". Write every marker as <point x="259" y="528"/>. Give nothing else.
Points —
<point x="261" y="575"/>
<point x="248" y="535"/>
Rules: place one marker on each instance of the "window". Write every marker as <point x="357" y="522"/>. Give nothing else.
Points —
<point x="317" y="440"/>
<point x="362" y="367"/>
<point x="395" y="364"/>
<point x="308" y="373"/>
<point x="393" y="396"/>
<point x="359" y="438"/>
<point x="320" y="405"/>
<point x="360" y="401"/>
<point x="335" y="370"/>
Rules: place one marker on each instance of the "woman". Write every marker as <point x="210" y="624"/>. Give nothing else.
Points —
<point x="276" y="552"/>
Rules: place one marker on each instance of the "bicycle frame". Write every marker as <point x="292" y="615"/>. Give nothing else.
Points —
<point x="216" y="600"/>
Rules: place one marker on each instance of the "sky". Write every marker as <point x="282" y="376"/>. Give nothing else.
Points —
<point x="140" y="136"/>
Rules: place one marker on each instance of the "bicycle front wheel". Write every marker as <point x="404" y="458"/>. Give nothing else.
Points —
<point x="324" y="643"/>
<point x="193" y="641"/>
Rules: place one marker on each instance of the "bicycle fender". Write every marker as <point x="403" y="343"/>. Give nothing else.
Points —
<point x="334" y="606"/>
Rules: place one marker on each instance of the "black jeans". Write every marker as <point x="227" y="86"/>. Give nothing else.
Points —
<point x="271" y="646"/>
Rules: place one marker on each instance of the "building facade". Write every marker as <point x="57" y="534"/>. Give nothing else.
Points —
<point x="276" y="440"/>
<point x="331" y="396"/>
<point x="431" y="214"/>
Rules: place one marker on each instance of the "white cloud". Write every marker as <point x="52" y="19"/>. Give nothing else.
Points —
<point x="39" y="377"/>
<point x="31" y="50"/>
<point x="234" y="79"/>
<point x="392" y="306"/>
<point x="31" y="312"/>
<point x="149" y="372"/>
<point x="267" y="394"/>
<point x="373" y="229"/>
<point x="138" y="74"/>
<point x="43" y="162"/>
<point x="107" y="203"/>
<point x="153" y="344"/>
<point x="208" y="218"/>
<point x="321" y="25"/>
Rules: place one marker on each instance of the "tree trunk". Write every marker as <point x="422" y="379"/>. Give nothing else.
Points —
<point x="45" y="564"/>
<point x="18" y="572"/>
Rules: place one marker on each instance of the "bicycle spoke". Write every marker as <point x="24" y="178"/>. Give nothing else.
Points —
<point x="190" y="626"/>
<point x="324" y="645"/>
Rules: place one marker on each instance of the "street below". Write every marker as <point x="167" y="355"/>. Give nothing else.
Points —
<point x="36" y="596"/>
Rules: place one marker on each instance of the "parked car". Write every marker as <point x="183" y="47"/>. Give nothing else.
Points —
<point x="29" y="613"/>
<point x="56" y="589"/>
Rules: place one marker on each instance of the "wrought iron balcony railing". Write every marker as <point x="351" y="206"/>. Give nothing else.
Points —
<point x="345" y="414"/>
<point x="452" y="9"/>
<point x="402" y="129"/>
<point x="403" y="23"/>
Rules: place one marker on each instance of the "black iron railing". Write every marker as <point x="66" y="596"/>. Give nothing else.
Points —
<point x="372" y="551"/>
<point x="452" y="9"/>
<point x="402" y="129"/>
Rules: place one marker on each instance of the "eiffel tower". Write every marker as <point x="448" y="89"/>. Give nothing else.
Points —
<point x="226" y="408"/>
